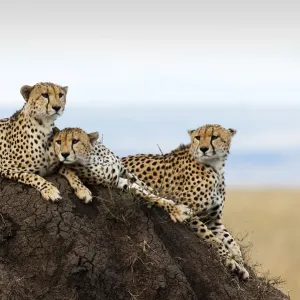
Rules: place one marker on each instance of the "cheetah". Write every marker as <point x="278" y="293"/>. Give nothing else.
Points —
<point x="26" y="138"/>
<point x="193" y="175"/>
<point x="85" y="158"/>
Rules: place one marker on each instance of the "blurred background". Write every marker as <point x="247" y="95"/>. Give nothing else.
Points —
<point x="143" y="73"/>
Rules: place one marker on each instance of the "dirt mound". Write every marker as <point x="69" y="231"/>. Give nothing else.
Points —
<point x="115" y="248"/>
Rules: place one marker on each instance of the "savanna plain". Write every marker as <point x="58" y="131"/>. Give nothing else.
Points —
<point x="267" y="222"/>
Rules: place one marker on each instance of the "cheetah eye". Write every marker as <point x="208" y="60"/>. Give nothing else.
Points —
<point x="45" y="95"/>
<point x="60" y="95"/>
<point x="197" y="137"/>
<point x="214" y="137"/>
<point x="75" y="141"/>
<point x="58" y="142"/>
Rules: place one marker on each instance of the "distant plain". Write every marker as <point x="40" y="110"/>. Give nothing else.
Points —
<point x="269" y="219"/>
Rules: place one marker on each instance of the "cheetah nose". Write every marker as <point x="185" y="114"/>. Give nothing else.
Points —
<point x="56" y="108"/>
<point x="204" y="149"/>
<point x="65" y="154"/>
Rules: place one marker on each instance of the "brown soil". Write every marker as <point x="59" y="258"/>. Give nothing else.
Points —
<point x="115" y="248"/>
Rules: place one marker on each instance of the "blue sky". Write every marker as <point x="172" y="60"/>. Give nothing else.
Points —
<point x="143" y="73"/>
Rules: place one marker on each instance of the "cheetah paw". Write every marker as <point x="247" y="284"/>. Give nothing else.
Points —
<point x="51" y="193"/>
<point x="244" y="274"/>
<point x="239" y="270"/>
<point x="180" y="213"/>
<point x="84" y="194"/>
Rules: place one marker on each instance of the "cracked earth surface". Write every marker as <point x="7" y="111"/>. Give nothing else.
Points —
<point x="113" y="248"/>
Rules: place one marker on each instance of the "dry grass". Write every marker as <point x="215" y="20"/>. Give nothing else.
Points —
<point x="270" y="219"/>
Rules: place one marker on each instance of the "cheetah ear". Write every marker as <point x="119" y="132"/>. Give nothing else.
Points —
<point x="25" y="91"/>
<point x="55" y="130"/>
<point x="190" y="131"/>
<point x="232" y="131"/>
<point x="93" y="137"/>
<point x="65" y="88"/>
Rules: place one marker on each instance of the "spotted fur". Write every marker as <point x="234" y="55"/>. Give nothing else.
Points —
<point x="86" y="158"/>
<point x="26" y="138"/>
<point x="193" y="175"/>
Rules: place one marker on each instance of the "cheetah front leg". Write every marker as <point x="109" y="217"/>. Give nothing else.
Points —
<point x="178" y="212"/>
<point x="47" y="189"/>
<point x="202" y="231"/>
<point x="220" y="231"/>
<point x="81" y="191"/>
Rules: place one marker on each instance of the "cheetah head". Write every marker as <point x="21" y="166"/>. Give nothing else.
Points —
<point x="73" y="145"/>
<point x="210" y="142"/>
<point x="44" y="100"/>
